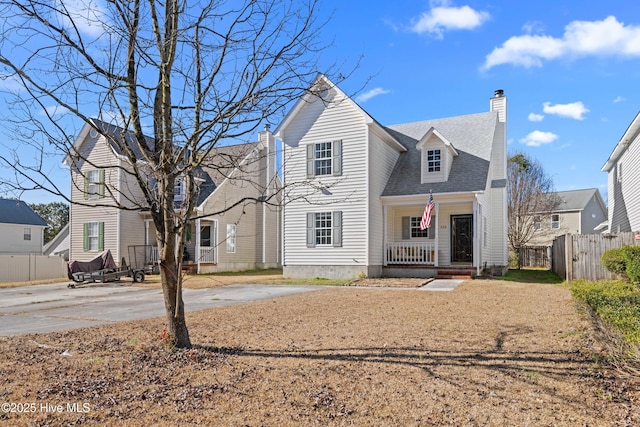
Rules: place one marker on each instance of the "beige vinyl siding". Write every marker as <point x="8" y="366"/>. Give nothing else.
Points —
<point x="346" y="193"/>
<point x="13" y="242"/>
<point x="98" y="153"/>
<point x="382" y="159"/>
<point x="592" y="216"/>
<point x="131" y="223"/>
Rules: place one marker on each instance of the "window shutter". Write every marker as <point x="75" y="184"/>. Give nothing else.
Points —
<point x="337" y="158"/>
<point x="86" y="186"/>
<point x="336" y="233"/>
<point x="101" y="236"/>
<point x="311" y="234"/>
<point x="310" y="168"/>
<point x="406" y="228"/>
<point x="85" y="236"/>
<point x="101" y="185"/>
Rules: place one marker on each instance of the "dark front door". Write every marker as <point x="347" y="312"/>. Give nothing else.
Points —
<point x="461" y="238"/>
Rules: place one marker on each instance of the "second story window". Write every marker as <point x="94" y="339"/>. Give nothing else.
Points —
<point x="537" y="222"/>
<point x="324" y="158"/>
<point x="27" y="233"/>
<point x="555" y="221"/>
<point x="433" y="160"/>
<point x="94" y="184"/>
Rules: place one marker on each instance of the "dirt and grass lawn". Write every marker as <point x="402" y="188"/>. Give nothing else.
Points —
<point x="490" y="353"/>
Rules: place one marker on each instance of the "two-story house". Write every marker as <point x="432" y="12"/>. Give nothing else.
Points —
<point x="239" y="237"/>
<point x="22" y="229"/>
<point x="624" y="182"/>
<point x="579" y="212"/>
<point x="368" y="185"/>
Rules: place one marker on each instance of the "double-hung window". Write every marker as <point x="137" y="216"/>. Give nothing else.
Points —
<point x="324" y="158"/>
<point x="537" y="222"/>
<point x="415" y="228"/>
<point x="27" y="233"/>
<point x="411" y="228"/>
<point x="324" y="229"/>
<point x="555" y="221"/>
<point x="93" y="236"/>
<point x="94" y="184"/>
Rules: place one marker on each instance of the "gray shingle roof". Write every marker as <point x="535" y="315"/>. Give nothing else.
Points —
<point x="471" y="135"/>
<point x="574" y="200"/>
<point x="18" y="212"/>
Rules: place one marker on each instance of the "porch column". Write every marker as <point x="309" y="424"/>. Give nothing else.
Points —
<point x="437" y="235"/>
<point x="476" y="235"/>
<point x="197" y="249"/>
<point x="384" y="235"/>
<point x="146" y="232"/>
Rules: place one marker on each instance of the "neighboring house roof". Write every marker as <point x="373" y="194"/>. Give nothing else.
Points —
<point x="18" y="212"/>
<point x="59" y="244"/>
<point x="632" y="133"/>
<point x="472" y="137"/>
<point x="576" y="200"/>
<point x="228" y="157"/>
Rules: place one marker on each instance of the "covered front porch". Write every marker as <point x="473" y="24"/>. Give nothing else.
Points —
<point x="451" y="246"/>
<point x="200" y="243"/>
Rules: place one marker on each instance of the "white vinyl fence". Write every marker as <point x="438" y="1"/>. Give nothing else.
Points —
<point x="23" y="268"/>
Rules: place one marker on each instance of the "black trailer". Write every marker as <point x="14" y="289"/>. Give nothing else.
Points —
<point x="101" y="269"/>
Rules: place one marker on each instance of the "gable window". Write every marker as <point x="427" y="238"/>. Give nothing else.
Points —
<point x="411" y="228"/>
<point x="537" y="222"/>
<point x="27" y="233"/>
<point x="94" y="184"/>
<point x="433" y="160"/>
<point x="555" y="221"/>
<point x="324" y="229"/>
<point x="324" y="158"/>
<point x="93" y="236"/>
<point x="231" y="238"/>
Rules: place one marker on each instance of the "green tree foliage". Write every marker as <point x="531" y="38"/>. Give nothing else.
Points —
<point x="56" y="214"/>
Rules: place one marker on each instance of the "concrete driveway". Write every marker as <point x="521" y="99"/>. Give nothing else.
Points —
<point x="54" y="307"/>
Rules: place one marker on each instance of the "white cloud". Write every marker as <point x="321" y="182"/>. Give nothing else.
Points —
<point x="87" y="15"/>
<point x="574" y="110"/>
<point x="372" y="94"/>
<point x="538" y="138"/>
<point x="608" y="37"/>
<point x="533" y="117"/>
<point x="442" y="18"/>
<point x="618" y="100"/>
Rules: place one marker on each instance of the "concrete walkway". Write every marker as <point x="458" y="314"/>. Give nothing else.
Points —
<point x="442" y="285"/>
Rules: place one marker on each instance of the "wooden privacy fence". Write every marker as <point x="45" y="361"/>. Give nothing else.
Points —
<point x="577" y="256"/>
<point x="535" y="256"/>
<point x="23" y="268"/>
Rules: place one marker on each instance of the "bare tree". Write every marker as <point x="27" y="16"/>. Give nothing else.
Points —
<point x="195" y="74"/>
<point x="529" y="194"/>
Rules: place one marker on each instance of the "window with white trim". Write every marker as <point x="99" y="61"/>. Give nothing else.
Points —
<point x="415" y="228"/>
<point x="93" y="236"/>
<point x="411" y="228"/>
<point x="231" y="238"/>
<point x="324" y="158"/>
<point x="93" y="184"/>
<point x="433" y="160"/>
<point x="27" y="233"/>
<point x="537" y="222"/>
<point x="324" y="229"/>
<point x="555" y="221"/>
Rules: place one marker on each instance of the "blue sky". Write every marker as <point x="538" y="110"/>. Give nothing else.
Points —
<point x="570" y="71"/>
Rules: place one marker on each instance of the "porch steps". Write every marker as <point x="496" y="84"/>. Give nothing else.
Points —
<point x="453" y="272"/>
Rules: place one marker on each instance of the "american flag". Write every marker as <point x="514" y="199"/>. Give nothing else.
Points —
<point x="426" y="216"/>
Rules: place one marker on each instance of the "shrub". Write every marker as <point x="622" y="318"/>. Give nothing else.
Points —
<point x="613" y="260"/>
<point x="632" y="261"/>
<point x="616" y="302"/>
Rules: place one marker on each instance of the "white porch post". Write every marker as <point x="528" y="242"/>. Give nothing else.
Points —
<point x="437" y="236"/>
<point x="384" y="234"/>
<point x="146" y="232"/>
<point x="476" y="236"/>
<point x="197" y="249"/>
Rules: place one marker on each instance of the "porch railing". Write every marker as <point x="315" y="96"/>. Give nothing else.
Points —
<point x="410" y="253"/>
<point x="207" y="254"/>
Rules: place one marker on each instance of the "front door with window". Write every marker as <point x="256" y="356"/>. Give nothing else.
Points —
<point x="462" y="238"/>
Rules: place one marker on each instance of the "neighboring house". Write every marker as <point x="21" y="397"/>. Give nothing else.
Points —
<point x="579" y="212"/>
<point x="59" y="245"/>
<point x="22" y="229"/>
<point x="245" y="236"/>
<point x="372" y="183"/>
<point x="624" y="182"/>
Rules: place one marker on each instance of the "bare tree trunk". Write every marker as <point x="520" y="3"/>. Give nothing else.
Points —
<point x="177" y="331"/>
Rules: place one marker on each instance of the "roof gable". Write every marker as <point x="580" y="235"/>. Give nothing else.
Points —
<point x="577" y="200"/>
<point x="630" y="135"/>
<point x="18" y="212"/>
